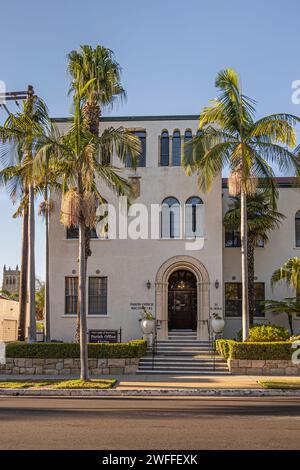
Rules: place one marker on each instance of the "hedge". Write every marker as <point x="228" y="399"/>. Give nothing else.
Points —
<point x="223" y="347"/>
<point x="281" y="350"/>
<point x="136" y="348"/>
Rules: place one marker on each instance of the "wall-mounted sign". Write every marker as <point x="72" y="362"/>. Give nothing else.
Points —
<point x="104" y="336"/>
<point x="140" y="305"/>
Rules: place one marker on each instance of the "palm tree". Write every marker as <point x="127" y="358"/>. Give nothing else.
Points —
<point x="76" y="157"/>
<point x="290" y="307"/>
<point x="97" y="64"/>
<point x="290" y="274"/>
<point x="98" y="67"/>
<point x="229" y="136"/>
<point x="262" y="218"/>
<point x="22" y="130"/>
<point x="44" y="210"/>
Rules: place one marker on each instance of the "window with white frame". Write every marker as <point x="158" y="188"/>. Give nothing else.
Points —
<point x="170" y="218"/>
<point x="193" y="217"/>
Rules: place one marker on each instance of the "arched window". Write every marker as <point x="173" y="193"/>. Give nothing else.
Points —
<point x="297" y="228"/>
<point x="141" y="160"/>
<point x="164" y="149"/>
<point x="194" y="223"/>
<point x="170" y="218"/>
<point x="187" y="137"/>
<point x="176" y="148"/>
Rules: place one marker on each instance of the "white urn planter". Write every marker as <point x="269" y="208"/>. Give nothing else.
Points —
<point x="147" y="326"/>
<point x="218" y="325"/>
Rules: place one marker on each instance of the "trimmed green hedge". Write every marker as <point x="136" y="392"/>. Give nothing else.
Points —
<point x="234" y="350"/>
<point x="136" y="348"/>
<point x="223" y="347"/>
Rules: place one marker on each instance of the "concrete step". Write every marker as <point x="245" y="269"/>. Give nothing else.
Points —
<point x="180" y="372"/>
<point x="183" y="361"/>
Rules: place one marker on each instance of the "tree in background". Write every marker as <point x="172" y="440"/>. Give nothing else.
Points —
<point x="229" y="136"/>
<point x="98" y="67"/>
<point x="20" y="132"/>
<point x="262" y="218"/>
<point x="77" y="155"/>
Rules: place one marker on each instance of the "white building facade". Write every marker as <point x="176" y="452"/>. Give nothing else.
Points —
<point x="182" y="282"/>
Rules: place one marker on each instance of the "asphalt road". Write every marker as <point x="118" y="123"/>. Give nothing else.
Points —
<point x="155" y="423"/>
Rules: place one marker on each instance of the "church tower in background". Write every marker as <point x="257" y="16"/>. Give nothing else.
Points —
<point x="11" y="280"/>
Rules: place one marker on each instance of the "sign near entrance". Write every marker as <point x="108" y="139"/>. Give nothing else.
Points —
<point x="104" y="336"/>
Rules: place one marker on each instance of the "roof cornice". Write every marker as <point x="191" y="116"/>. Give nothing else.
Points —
<point x="176" y="117"/>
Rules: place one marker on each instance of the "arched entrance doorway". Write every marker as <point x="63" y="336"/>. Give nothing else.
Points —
<point x="170" y="266"/>
<point x="182" y="300"/>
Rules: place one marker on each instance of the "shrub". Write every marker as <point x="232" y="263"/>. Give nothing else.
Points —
<point x="223" y="347"/>
<point x="281" y="350"/>
<point x="265" y="333"/>
<point x="136" y="348"/>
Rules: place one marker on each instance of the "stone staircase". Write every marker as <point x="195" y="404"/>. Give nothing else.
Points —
<point x="182" y="354"/>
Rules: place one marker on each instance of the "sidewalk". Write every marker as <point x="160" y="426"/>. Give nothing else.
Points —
<point x="171" y="382"/>
<point x="145" y="386"/>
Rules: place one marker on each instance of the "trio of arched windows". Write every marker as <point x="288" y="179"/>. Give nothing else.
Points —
<point x="171" y="218"/>
<point x="171" y="147"/>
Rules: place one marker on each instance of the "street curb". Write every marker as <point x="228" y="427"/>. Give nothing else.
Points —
<point x="196" y="392"/>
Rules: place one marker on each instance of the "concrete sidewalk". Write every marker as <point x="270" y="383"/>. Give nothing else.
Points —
<point x="153" y="382"/>
<point x="162" y="386"/>
<point x="173" y="381"/>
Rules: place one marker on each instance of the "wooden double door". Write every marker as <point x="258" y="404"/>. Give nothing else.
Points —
<point x="183" y="309"/>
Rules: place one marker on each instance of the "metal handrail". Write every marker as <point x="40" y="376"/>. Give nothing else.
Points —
<point x="154" y="344"/>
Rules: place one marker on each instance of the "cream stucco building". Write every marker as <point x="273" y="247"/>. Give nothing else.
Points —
<point x="183" y="286"/>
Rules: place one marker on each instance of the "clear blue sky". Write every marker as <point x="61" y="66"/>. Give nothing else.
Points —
<point x="169" y="50"/>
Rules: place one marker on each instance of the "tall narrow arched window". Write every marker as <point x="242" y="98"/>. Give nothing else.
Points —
<point x="170" y="218"/>
<point x="141" y="159"/>
<point x="164" y="149"/>
<point x="187" y="137"/>
<point x="297" y="228"/>
<point x="176" y="148"/>
<point x="194" y="217"/>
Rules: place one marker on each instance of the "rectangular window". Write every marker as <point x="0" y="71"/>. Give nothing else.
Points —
<point x="97" y="296"/>
<point x="233" y="299"/>
<point x="71" y="295"/>
<point x="73" y="233"/>
<point x="141" y="159"/>
<point x="233" y="240"/>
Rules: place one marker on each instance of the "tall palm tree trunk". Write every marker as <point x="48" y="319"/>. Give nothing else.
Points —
<point x="23" y="278"/>
<point x="47" y="290"/>
<point x="84" y="371"/>
<point x="251" y="290"/>
<point x="91" y="120"/>
<point x="32" y="310"/>
<point x="244" y="249"/>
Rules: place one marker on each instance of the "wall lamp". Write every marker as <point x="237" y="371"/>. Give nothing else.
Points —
<point x="148" y="284"/>
<point x="217" y="284"/>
